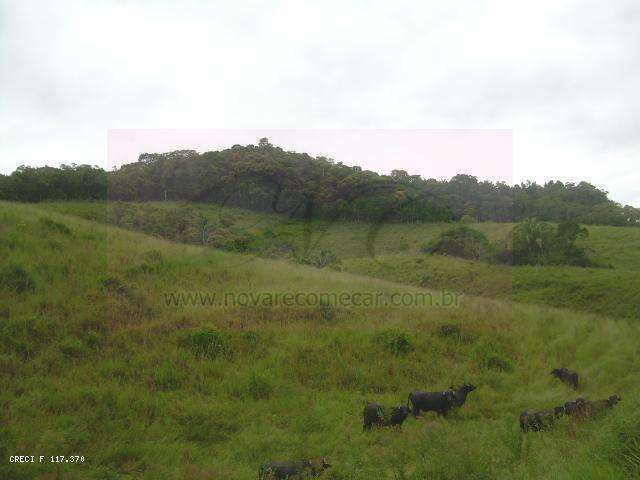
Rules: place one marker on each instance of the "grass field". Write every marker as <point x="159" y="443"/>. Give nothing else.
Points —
<point x="95" y="363"/>
<point x="392" y="252"/>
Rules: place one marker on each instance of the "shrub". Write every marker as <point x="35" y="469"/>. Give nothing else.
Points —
<point x="225" y="239"/>
<point x="258" y="387"/>
<point x="540" y="243"/>
<point x="395" y="341"/>
<point x="168" y="376"/>
<point x="94" y="339"/>
<point x="14" y="277"/>
<point x="72" y="348"/>
<point x="207" y="343"/>
<point x="323" y="259"/>
<point x="566" y="250"/>
<point x="459" y="241"/>
<point x="115" y="285"/>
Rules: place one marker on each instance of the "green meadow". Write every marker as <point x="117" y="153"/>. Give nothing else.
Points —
<point x="95" y="362"/>
<point x="393" y="252"/>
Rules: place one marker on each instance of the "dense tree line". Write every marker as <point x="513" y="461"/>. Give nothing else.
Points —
<point x="74" y="182"/>
<point x="266" y="178"/>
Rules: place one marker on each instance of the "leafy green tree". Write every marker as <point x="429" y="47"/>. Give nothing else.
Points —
<point x="267" y="178"/>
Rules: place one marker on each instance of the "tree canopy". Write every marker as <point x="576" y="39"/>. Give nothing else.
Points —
<point x="268" y="178"/>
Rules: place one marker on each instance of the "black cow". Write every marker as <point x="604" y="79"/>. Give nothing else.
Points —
<point x="292" y="470"/>
<point x="567" y="376"/>
<point x="439" y="402"/>
<point x="576" y="408"/>
<point x="375" y="414"/>
<point x="460" y="393"/>
<point x="536" y="421"/>
<point x="581" y="408"/>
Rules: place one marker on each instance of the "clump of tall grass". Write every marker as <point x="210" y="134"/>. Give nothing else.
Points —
<point x="14" y="277"/>
<point x="207" y="343"/>
<point x="395" y="341"/>
<point x="51" y="225"/>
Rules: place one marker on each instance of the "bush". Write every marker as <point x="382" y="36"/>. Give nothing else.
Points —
<point x="540" y="243"/>
<point x="459" y="241"/>
<point x="115" y="285"/>
<point x="14" y="277"/>
<point x="225" y="239"/>
<point x="258" y="387"/>
<point x="72" y="348"/>
<point x="396" y="341"/>
<point x="168" y="376"/>
<point x="207" y="343"/>
<point x="323" y="259"/>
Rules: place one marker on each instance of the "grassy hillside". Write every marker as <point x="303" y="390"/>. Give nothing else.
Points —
<point x="392" y="252"/>
<point x="95" y="363"/>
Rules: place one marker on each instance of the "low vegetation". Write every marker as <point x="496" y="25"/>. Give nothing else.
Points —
<point x="460" y="241"/>
<point x="530" y="242"/>
<point x="608" y="285"/>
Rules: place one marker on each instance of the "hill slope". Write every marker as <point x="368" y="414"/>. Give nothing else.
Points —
<point x="96" y="363"/>
<point x="392" y="252"/>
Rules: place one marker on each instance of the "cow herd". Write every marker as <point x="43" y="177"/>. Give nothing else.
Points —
<point x="441" y="402"/>
<point x="419" y="401"/>
<point x="580" y="408"/>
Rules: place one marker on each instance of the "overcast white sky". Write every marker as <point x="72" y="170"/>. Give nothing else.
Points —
<point x="563" y="76"/>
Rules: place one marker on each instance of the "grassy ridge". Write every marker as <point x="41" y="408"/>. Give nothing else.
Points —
<point x="391" y="251"/>
<point x="95" y="363"/>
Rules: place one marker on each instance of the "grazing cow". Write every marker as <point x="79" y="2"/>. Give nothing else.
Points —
<point x="576" y="408"/>
<point x="567" y="376"/>
<point x="375" y="414"/>
<point x="581" y="408"/>
<point x="542" y="420"/>
<point x="292" y="470"/>
<point x="439" y="402"/>
<point x="460" y="393"/>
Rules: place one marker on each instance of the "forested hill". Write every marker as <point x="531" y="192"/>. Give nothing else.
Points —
<point x="267" y="178"/>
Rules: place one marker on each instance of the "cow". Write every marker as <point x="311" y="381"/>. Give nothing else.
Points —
<point x="608" y="402"/>
<point x="542" y="420"/>
<point x="576" y="408"/>
<point x="292" y="470"/>
<point x="439" y="402"/>
<point x="460" y="393"/>
<point x="566" y="376"/>
<point x="581" y="408"/>
<point x="379" y="415"/>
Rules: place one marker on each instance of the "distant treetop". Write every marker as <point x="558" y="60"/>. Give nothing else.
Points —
<point x="267" y="178"/>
